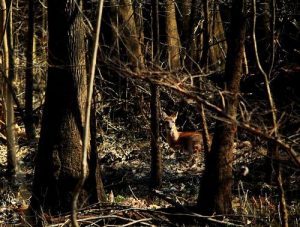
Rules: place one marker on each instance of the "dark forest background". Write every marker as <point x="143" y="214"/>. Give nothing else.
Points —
<point x="230" y="69"/>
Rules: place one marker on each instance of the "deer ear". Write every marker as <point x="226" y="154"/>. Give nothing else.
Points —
<point x="164" y="115"/>
<point x="174" y="115"/>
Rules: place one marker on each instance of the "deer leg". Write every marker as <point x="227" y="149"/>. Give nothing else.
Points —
<point x="196" y="152"/>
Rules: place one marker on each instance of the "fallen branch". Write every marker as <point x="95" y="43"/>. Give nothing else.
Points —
<point x="190" y="213"/>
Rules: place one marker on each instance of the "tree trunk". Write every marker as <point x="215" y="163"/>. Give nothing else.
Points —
<point x="59" y="156"/>
<point x="264" y="33"/>
<point x="217" y="45"/>
<point x="173" y="39"/>
<point x="156" y="159"/>
<point x="185" y="7"/>
<point x="139" y="22"/>
<point x="215" y="191"/>
<point x="29" y="125"/>
<point x="205" y="37"/>
<point x="95" y="178"/>
<point x="9" y="102"/>
<point x="129" y="35"/>
<point x="10" y="117"/>
<point x="192" y="44"/>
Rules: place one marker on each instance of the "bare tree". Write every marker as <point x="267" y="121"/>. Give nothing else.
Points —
<point x="156" y="158"/>
<point x="6" y="30"/>
<point x="29" y="125"/>
<point x="215" y="190"/>
<point x="59" y="156"/>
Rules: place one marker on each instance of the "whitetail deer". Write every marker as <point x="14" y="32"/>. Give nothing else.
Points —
<point x="190" y="142"/>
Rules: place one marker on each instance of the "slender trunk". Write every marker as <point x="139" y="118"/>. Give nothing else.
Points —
<point x="205" y="32"/>
<point x="44" y="28"/>
<point x="95" y="179"/>
<point x="192" y="45"/>
<point x="272" y="148"/>
<point x="217" y="41"/>
<point x="156" y="159"/>
<point x="155" y="32"/>
<point x="9" y="102"/>
<point x="29" y="125"/>
<point x="282" y="205"/>
<point x="198" y="83"/>
<point x="205" y="134"/>
<point x="139" y="21"/>
<point x="114" y="19"/>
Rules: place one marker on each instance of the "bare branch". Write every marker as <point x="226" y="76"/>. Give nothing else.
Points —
<point x="168" y="80"/>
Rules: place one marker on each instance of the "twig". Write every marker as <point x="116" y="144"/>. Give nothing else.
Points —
<point x="138" y="221"/>
<point x="283" y="208"/>
<point x="132" y="193"/>
<point x="262" y="71"/>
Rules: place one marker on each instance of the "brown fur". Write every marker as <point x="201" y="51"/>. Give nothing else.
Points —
<point x="190" y="142"/>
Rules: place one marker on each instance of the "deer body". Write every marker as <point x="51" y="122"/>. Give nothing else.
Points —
<point x="190" y="142"/>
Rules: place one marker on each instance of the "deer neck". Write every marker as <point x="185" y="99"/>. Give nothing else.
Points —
<point x="173" y="134"/>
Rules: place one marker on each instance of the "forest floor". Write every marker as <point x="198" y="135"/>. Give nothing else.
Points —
<point x="126" y="171"/>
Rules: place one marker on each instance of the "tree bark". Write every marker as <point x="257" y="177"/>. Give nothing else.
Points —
<point x="29" y="125"/>
<point x="139" y="22"/>
<point x="173" y="39"/>
<point x="186" y="8"/>
<point x="273" y="149"/>
<point x="192" y="41"/>
<point x="215" y="191"/>
<point x="59" y="156"/>
<point x="156" y="159"/>
<point x="129" y="35"/>
<point x="9" y="102"/>
<point x="217" y="39"/>
<point x="10" y="117"/>
<point x="205" y="34"/>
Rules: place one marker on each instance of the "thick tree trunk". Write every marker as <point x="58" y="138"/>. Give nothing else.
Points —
<point x="173" y="39"/>
<point x="129" y="35"/>
<point x="58" y="161"/>
<point x="215" y="191"/>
